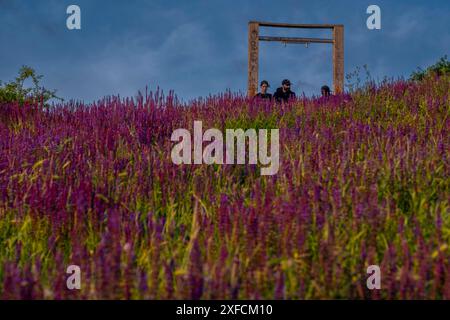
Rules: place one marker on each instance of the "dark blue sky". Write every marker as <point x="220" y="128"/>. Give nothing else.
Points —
<point x="198" y="47"/>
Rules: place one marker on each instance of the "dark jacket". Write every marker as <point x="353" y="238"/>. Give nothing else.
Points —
<point x="280" y="96"/>
<point x="264" y="96"/>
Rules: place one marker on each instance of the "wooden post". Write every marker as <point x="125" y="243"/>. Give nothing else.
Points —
<point x="338" y="58"/>
<point x="253" y="48"/>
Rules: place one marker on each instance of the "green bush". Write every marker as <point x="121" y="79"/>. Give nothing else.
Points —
<point x="440" y="68"/>
<point x="14" y="91"/>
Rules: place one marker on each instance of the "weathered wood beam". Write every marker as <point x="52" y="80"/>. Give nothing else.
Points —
<point x="338" y="58"/>
<point x="295" y="40"/>
<point x="290" y="25"/>
<point x="253" y="48"/>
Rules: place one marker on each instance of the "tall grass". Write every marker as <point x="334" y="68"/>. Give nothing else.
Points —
<point x="363" y="180"/>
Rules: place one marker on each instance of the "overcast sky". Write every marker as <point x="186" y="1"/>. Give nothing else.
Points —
<point x="199" y="47"/>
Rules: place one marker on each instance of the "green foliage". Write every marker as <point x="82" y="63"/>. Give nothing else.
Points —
<point x="14" y="91"/>
<point x="440" y="68"/>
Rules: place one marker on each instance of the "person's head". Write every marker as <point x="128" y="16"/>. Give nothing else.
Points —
<point x="286" y="85"/>
<point x="325" y="91"/>
<point x="264" y="86"/>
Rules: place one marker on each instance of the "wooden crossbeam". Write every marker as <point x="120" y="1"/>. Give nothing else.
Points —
<point x="295" y="40"/>
<point x="291" y="25"/>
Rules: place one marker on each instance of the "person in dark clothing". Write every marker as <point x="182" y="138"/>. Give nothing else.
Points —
<point x="327" y="96"/>
<point x="284" y="92"/>
<point x="264" y="94"/>
<point x="325" y="90"/>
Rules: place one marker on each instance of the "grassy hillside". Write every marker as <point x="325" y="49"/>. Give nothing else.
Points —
<point x="363" y="180"/>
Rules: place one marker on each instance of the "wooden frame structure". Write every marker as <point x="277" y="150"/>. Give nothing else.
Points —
<point x="253" y="49"/>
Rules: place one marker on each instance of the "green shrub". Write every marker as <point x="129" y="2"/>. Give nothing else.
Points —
<point x="14" y="91"/>
<point x="440" y="68"/>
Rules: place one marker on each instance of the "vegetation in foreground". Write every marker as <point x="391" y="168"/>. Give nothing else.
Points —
<point x="362" y="181"/>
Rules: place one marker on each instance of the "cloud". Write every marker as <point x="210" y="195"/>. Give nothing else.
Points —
<point x="126" y="67"/>
<point x="200" y="47"/>
<point x="407" y="25"/>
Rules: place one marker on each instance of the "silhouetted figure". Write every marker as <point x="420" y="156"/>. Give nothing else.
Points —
<point x="284" y="93"/>
<point x="264" y="94"/>
<point x="338" y="98"/>
<point x="325" y="90"/>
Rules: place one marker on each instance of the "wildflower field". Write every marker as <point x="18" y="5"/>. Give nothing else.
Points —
<point x="362" y="181"/>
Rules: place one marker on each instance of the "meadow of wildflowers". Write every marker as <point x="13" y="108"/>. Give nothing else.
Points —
<point x="362" y="181"/>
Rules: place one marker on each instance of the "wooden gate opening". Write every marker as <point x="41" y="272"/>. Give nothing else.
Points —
<point x="253" y="49"/>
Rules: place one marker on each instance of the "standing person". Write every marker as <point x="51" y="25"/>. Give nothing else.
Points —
<point x="325" y="90"/>
<point x="264" y="94"/>
<point x="284" y="93"/>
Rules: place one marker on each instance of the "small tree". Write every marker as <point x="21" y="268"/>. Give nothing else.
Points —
<point x="14" y="91"/>
<point x="440" y="68"/>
